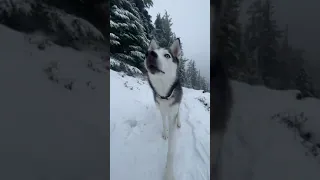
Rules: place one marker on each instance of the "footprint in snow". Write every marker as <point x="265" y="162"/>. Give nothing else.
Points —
<point x="132" y="123"/>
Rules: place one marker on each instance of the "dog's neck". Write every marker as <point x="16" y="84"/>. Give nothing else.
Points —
<point x="163" y="84"/>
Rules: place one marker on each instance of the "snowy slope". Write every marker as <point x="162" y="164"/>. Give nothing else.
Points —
<point x="258" y="147"/>
<point x="46" y="130"/>
<point x="137" y="149"/>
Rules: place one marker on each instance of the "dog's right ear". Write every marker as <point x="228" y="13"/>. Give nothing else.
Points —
<point x="176" y="48"/>
<point x="153" y="45"/>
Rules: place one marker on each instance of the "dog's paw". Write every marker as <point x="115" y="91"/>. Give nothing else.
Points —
<point x="165" y="134"/>
<point x="169" y="176"/>
<point x="179" y="124"/>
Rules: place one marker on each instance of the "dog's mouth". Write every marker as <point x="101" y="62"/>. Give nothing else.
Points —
<point x="154" y="69"/>
<point x="152" y="64"/>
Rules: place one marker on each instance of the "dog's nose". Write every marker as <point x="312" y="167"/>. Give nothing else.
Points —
<point x="152" y="57"/>
<point x="153" y="54"/>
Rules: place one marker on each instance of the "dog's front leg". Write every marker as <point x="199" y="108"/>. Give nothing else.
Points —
<point x="169" y="175"/>
<point x="178" y="119"/>
<point x="164" y="122"/>
<point x="216" y="146"/>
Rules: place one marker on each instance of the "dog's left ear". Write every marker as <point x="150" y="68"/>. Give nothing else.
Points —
<point x="153" y="45"/>
<point x="175" y="48"/>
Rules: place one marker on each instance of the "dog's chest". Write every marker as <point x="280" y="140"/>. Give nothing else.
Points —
<point x="167" y="107"/>
<point x="165" y="102"/>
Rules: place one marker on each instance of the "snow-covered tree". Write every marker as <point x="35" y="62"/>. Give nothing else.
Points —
<point x="182" y="71"/>
<point x="168" y="34"/>
<point x="193" y="78"/>
<point x="191" y="74"/>
<point x="269" y="42"/>
<point x="229" y="33"/>
<point x="163" y="32"/>
<point x="128" y="36"/>
<point x="204" y="84"/>
<point x="262" y="41"/>
<point x="303" y="82"/>
<point x="40" y="15"/>
<point x="142" y="5"/>
<point x="158" y="31"/>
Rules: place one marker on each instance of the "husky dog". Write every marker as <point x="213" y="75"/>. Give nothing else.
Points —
<point x="162" y="71"/>
<point x="221" y="92"/>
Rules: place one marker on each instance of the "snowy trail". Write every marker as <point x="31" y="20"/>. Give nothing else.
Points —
<point x="137" y="150"/>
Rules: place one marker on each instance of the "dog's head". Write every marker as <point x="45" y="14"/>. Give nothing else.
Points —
<point x="163" y="61"/>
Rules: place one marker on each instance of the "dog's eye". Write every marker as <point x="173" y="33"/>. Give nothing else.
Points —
<point x="167" y="56"/>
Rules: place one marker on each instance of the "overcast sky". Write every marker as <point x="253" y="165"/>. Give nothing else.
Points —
<point x="191" y="22"/>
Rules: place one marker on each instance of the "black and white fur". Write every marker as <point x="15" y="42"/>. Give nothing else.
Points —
<point x="221" y="92"/>
<point x="162" y="71"/>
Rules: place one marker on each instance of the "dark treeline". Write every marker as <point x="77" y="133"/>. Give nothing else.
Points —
<point x="259" y="52"/>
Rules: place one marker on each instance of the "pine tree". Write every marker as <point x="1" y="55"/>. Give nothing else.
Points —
<point x="182" y="71"/>
<point x="191" y="74"/>
<point x="285" y="63"/>
<point x="269" y="42"/>
<point x="158" y="31"/>
<point x="229" y="42"/>
<point x="252" y="35"/>
<point x="142" y="6"/>
<point x="168" y="35"/>
<point x="304" y="83"/>
<point x="291" y="59"/>
<point x="204" y="84"/>
<point x="128" y="36"/>
<point x="198" y="83"/>
<point x="261" y="39"/>
<point x="163" y="32"/>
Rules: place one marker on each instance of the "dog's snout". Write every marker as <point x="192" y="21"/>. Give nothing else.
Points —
<point x="153" y="54"/>
<point x="152" y="57"/>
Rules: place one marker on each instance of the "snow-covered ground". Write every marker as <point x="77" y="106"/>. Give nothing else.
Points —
<point x="259" y="147"/>
<point x="259" y="144"/>
<point x="46" y="130"/>
<point x="137" y="149"/>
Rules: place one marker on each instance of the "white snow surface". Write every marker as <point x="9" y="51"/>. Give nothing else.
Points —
<point x="47" y="131"/>
<point x="137" y="149"/>
<point x="259" y="148"/>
